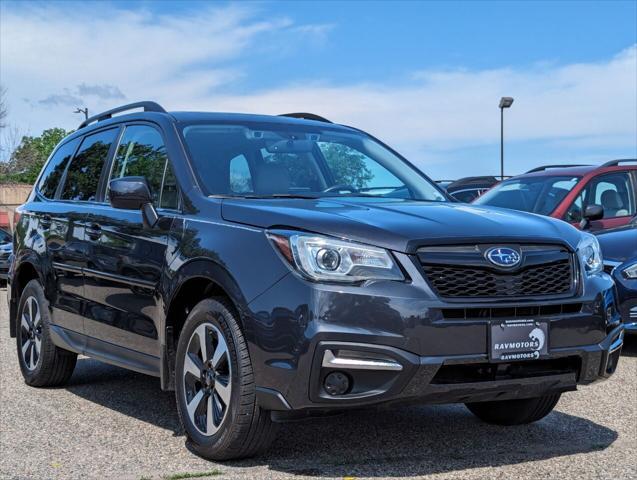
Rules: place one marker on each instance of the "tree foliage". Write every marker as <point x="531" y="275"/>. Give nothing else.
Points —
<point x="27" y="159"/>
<point x="347" y="165"/>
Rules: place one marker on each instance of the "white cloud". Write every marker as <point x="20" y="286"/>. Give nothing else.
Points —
<point x="182" y="60"/>
<point x="450" y="109"/>
<point x="101" y="91"/>
<point x="47" y="50"/>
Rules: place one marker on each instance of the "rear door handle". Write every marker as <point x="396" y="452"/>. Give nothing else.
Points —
<point x="94" y="231"/>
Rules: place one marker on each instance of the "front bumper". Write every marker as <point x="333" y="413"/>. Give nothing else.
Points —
<point x="299" y="332"/>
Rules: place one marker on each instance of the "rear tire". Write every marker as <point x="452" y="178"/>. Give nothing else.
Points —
<point x="514" y="412"/>
<point x="224" y="420"/>
<point x="42" y="363"/>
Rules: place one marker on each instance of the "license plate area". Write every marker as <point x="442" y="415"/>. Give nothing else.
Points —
<point x="519" y="339"/>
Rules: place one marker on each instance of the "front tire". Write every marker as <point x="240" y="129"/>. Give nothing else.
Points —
<point x="514" y="412"/>
<point x="42" y="363"/>
<point x="214" y="386"/>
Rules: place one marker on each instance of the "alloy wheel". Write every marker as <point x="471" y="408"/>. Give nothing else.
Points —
<point x="207" y="377"/>
<point x="31" y="333"/>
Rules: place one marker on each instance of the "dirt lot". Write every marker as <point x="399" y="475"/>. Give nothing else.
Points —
<point x="109" y="423"/>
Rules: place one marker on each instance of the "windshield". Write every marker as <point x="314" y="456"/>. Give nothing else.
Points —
<point x="279" y="160"/>
<point x="530" y="194"/>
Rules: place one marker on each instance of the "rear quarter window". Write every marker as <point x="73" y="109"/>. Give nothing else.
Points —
<point x="54" y="169"/>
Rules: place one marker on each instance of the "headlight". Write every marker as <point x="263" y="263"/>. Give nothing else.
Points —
<point x="322" y="258"/>
<point x="590" y="254"/>
<point x="630" y="272"/>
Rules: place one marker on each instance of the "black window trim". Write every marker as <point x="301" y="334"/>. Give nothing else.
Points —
<point x="111" y="160"/>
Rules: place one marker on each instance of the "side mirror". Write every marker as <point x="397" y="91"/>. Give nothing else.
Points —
<point x="132" y="193"/>
<point x="591" y="212"/>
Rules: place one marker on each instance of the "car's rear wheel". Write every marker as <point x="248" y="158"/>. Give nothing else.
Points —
<point x="42" y="363"/>
<point x="514" y="412"/>
<point x="215" y="390"/>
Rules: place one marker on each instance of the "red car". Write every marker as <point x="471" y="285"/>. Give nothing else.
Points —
<point x="572" y="193"/>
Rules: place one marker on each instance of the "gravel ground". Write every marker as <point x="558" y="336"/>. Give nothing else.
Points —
<point x="109" y="423"/>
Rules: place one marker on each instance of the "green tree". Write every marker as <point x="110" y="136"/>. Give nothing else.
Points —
<point x="27" y="159"/>
<point x="347" y="165"/>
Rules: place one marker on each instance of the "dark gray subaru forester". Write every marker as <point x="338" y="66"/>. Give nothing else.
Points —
<point x="270" y="267"/>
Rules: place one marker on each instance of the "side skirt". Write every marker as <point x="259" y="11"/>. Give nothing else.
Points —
<point x="104" y="351"/>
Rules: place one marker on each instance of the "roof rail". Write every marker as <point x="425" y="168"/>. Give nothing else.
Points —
<point x="546" y="167"/>
<point x="306" y="116"/>
<point x="469" y="181"/>
<point x="147" y="106"/>
<point x="479" y="178"/>
<point x="614" y="163"/>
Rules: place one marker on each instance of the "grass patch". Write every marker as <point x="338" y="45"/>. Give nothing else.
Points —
<point x="180" y="476"/>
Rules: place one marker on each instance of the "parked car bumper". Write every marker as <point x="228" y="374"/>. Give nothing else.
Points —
<point x="4" y="269"/>
<point x="396" y="342"/>
<point x="627" y="298"/>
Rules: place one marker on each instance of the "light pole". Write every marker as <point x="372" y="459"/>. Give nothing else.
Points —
<point x="505" y="102"/>
<point x="82" y="110"/>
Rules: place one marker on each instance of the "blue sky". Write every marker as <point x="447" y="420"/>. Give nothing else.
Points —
<point x="424" y="76"/>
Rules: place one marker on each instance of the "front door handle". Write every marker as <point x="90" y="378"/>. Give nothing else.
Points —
<point x="94" y="231"/>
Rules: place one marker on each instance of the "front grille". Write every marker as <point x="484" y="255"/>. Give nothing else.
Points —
<point x="463" y="272"/>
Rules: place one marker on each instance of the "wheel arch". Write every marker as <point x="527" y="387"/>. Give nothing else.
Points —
<point x="196" y="280"/>
<point x="28" y="267"/>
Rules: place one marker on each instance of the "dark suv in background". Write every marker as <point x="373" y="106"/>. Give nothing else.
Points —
<point x="268" y="267"/>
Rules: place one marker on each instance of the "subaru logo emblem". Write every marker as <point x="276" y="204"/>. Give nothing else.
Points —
<point x="503" y="257"/>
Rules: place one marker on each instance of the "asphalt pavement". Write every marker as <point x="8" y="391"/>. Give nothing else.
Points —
<point x="109" y="423"/>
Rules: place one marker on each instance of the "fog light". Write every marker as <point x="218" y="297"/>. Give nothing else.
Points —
<point x="336" y="383"/>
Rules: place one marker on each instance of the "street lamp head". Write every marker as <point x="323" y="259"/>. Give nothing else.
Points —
<point x="506" y="102"/>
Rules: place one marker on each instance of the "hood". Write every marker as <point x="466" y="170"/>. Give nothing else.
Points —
<point x="401" y="225"/>
<point x="619" y="245"/>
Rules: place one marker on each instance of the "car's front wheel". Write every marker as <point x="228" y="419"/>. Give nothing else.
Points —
<point x="215" y="390"/>
<point x="515" y="412"/>
<point x="42" y="363"/>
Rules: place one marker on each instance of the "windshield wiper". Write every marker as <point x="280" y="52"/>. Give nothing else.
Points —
<point x="281" y="195"/>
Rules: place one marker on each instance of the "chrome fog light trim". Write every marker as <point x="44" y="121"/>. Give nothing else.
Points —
<point x="359" y="362"/>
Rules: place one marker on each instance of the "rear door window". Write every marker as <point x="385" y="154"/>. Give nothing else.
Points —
<point x="83" y="174"/>
<point x="54" y="170"/>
